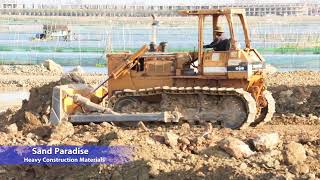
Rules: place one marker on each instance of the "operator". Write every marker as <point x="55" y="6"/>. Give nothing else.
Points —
<point x="220" y="42"/>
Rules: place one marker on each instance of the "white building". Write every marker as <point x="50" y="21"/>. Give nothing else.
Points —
<point x="162" y="7"/>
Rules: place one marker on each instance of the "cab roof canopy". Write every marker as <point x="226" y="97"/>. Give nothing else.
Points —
<point x="212" y="12"/>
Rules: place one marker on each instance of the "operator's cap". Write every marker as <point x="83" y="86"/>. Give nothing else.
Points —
<point x="218" y="29"/>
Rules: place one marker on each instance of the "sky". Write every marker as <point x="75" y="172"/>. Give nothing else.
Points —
<point x="152" y="2"/>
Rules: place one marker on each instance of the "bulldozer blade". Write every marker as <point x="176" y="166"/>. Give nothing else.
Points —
<point x="56" y="114"/>
<point x="161" y="116"/>
<point x="59" y="108"/>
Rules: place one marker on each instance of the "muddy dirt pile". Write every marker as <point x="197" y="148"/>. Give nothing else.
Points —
<point x="296" y="92"/>
<point x="300" y="100"/>
<point x="30" y="76"/>
<point x="294" y="78"/>
<point x="35" y="111"/>
<point x="48" y="68"/>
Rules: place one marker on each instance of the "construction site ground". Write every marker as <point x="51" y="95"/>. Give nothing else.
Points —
<point x="169" y="151"/>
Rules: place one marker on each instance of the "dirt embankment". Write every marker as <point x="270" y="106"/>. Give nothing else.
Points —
<point x="299" y="100"/>
<point x="37" y="75"/>
<point x="296" y="92"/>
<point x="181" y="151"/>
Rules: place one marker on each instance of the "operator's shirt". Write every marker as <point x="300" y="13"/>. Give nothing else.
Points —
<point x="220" y="43"/>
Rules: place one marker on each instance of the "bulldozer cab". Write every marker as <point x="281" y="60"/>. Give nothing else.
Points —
<point x="217" y="63"/>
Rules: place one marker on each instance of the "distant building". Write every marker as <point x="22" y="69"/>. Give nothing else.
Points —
<point x="160" y="7"/>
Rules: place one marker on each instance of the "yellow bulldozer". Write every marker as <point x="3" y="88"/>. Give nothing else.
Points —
<point x="223" y="87"/>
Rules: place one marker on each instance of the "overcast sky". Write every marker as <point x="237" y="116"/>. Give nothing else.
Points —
<point x="152" y="2"/>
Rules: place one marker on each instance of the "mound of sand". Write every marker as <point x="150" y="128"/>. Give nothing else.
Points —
<point x="35" y="111"/>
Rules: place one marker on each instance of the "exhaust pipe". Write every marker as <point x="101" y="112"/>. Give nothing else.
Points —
<point x="153" y="43"/>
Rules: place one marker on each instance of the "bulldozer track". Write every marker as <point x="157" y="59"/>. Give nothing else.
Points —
<point x="249" y="101"/>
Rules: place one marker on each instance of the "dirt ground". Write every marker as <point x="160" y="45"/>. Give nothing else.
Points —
<point x="175" y="151"/>
<point x="36" y="75"/>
